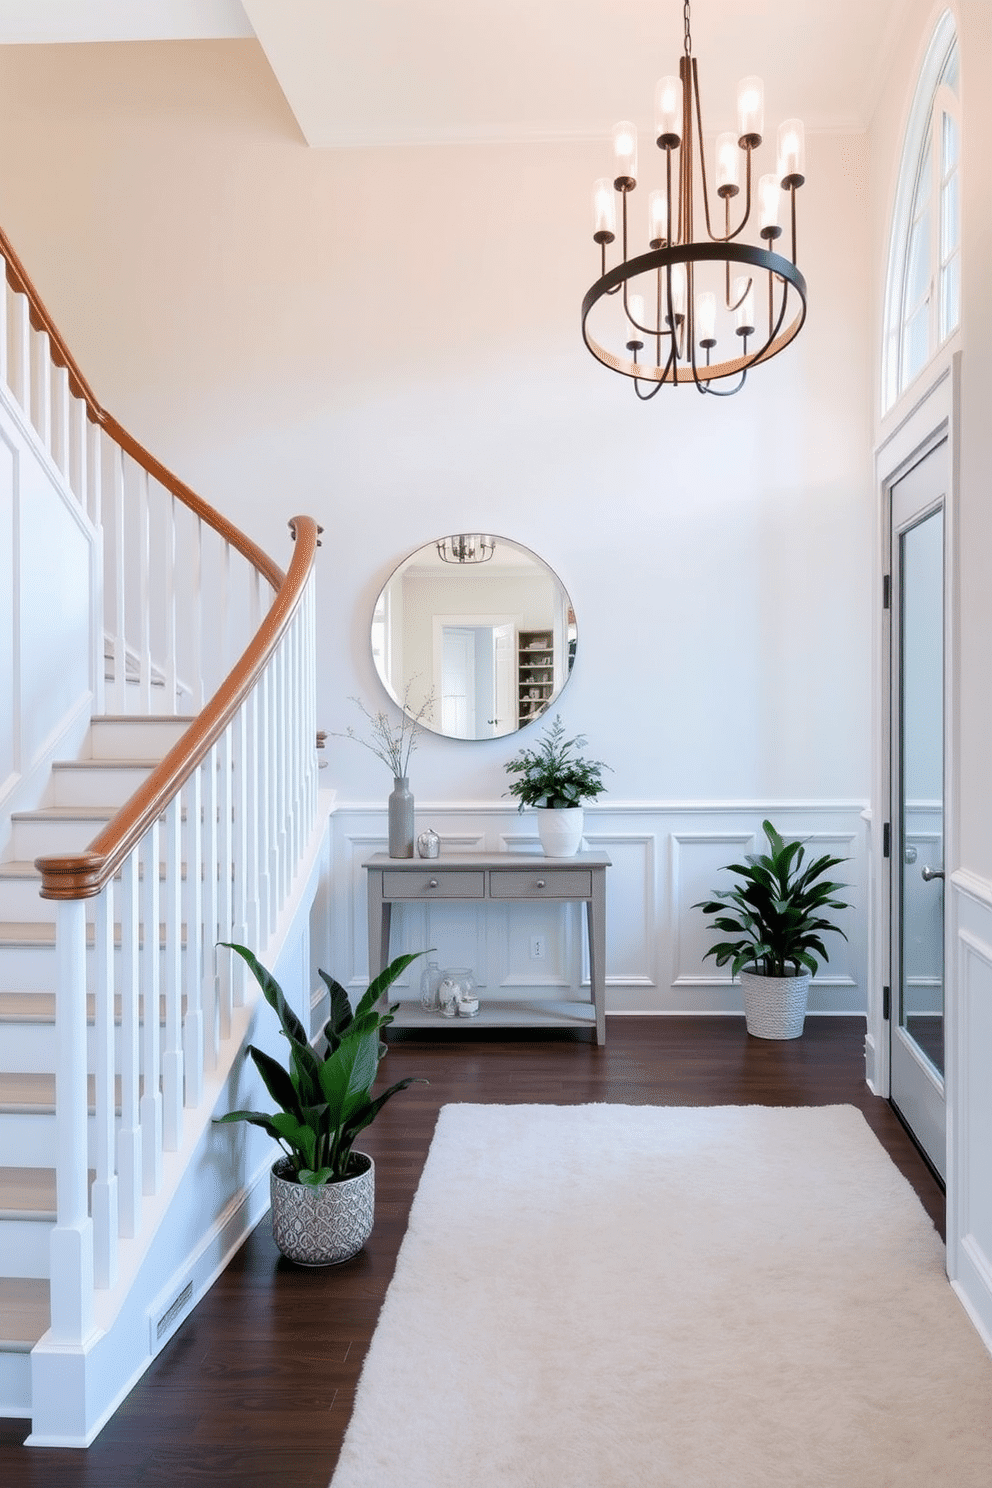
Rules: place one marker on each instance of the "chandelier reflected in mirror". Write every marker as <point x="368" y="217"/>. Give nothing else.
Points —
<point x="698" y="309"/>
<point x="466" y="547"/>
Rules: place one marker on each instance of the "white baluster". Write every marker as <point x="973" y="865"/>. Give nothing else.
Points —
<point x="169" y="560"/>
<point x="266" y="808"/>
<point x="93" y="482"/>
<point x="211" y="887"/>
<point x="194" y="959"/>
<point x="61" y="403"/>
<point x="172" y="1050"/>
<point x="117" y="572"/>
<point x="239" y="848"/>
<point x="105" y="1218"/>
<point x="4" y="318"/>
<point x="253" y="823"/>
<point x="198" y="664"/>
<point x="129" y="1133"/>
<point x="20" y="369"/>
<point x="144" y="645"/>
<point x="151" y="1096"/>
<point x="225" y="857"/>
<point x="41" y="386"/>
<point x="72" y="1238"/>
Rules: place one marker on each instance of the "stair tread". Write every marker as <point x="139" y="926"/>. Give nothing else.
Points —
<point x="26" y="1312"/>
<point x="19" y="868"/>
<point x="66" y="813"/>
<point x="102" y="763"/>
<point x="29" y="1194"/>
<point x="34" y="1095"/>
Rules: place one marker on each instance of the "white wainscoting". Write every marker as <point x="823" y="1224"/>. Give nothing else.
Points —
<point x="969" y="1103"/>
<point x="665" y="856"/>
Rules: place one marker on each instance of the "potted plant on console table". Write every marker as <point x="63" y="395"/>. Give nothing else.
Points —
<point x="323" y="1192"/>
<point x="774" y="917"/>
<point x="556" y="782"/>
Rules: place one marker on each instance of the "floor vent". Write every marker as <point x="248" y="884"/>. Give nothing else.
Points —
<point x="165" y="1325"/>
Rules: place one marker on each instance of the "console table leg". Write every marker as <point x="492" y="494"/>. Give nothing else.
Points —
<point x="596" y="921"/>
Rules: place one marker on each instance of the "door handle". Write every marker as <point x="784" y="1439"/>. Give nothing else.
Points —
<point x="931" y="873"/>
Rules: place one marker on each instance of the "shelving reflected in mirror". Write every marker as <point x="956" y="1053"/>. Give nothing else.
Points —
<point x="481" y="625"/>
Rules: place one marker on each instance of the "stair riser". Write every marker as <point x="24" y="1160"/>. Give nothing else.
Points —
<point x="32" y="968"/>
<point x="24" y="1247"/>
<point x="27" y="1140"/>
<point x="29" y="1049"/>
<point x="77" y="786"/>
<point x="134" y="738"/>
<point x="45" y="838"/>
<point x="20" y="900"/>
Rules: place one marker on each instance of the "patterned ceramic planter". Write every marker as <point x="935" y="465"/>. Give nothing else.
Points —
<point x="775" y="1007"/>
<point x="326" y="1225"/>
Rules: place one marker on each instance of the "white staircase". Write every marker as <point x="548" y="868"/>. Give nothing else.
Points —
<point x="82" y="797"/>
<point x="130" y="847"/>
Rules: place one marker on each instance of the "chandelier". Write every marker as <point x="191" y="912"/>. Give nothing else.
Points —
<point x="697" y="309"/>
<point x="466" y="547"/>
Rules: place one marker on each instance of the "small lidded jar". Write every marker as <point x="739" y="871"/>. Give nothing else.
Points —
<point x="429" y="844"/>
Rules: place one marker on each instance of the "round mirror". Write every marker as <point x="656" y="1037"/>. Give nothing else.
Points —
<point x="477" y="628"/>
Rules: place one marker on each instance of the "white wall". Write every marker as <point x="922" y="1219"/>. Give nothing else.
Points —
<point x="222" y="286"/>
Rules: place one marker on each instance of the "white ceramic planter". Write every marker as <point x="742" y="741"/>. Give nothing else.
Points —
<point x="560" y="831"/>
<point x="326" y="1225"/>
<point x="775" y="1007"/>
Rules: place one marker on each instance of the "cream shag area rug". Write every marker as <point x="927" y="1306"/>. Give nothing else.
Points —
<point x="716" y="1297"/>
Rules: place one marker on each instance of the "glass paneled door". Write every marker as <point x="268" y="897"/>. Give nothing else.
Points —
<point x="917" y="770"/>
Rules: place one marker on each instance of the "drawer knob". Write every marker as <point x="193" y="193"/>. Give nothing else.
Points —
<point x="541" y="884"/>
<point x="432" y="883"/>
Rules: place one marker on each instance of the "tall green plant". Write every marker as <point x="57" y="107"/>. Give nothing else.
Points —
<point x="775" y="913"/>
<point x="325" y="1100"/>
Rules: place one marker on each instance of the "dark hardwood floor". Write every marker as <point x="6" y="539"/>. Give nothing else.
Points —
<point x="256" y="1387"/>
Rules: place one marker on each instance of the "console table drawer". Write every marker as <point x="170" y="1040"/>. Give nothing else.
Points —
<point x="571" y="883"/>
<point x="427" y="885"/>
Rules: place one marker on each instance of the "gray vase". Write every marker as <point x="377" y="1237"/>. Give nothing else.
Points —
<point x="325" y="1225"/>
<point x="401" y="818"/>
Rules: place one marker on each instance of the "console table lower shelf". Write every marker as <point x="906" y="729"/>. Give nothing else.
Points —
<point x="496" y="878"/>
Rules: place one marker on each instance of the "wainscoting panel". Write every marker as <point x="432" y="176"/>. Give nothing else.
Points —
<point x="969" y="1088"/>
<point x="665" y="857"/>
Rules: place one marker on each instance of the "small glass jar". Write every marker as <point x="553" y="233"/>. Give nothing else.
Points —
<point x="456" y="994"/>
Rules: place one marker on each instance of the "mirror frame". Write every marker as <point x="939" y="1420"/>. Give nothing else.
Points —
<point x="544" y="690"/>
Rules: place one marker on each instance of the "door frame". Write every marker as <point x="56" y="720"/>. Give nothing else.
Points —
<point x="931" y="419"/>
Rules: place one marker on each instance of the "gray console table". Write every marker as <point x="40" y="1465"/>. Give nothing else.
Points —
<point x="496" y="878"/>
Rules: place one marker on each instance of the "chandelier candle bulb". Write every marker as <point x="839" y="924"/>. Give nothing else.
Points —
<point x="658" y="218"/>
<point x="677" y="283"/>
<point x="791" y="153"/>
<point x="769" y="197"/>
<point x="635" y="310"/>
<point x="750" y="111"/>
<point x="744" y="301"/>
<point x="625" y="155"/>
<point x="706" y="319"/>
<point x="668" y="112"/>
<point x="728" y="165"/>
<point x="604" y="209"/>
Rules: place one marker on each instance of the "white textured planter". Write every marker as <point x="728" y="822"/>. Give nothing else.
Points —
<point x="775" y="1007"/>
<point x="560" y="830"/>
<point x="326" y="1225"/>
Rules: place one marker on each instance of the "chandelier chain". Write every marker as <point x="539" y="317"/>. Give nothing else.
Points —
<point x="688" y="33"/>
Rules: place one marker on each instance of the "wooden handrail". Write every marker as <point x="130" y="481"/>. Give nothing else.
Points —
<point x="84" y="875"/>
<point x="62" y="356"/>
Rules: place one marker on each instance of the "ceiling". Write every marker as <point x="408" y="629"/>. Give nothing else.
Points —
<point x="384" y="72"/>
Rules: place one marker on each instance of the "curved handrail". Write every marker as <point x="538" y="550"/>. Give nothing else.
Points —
<point x="84" y="875"/>
<point x="62" y="356"/>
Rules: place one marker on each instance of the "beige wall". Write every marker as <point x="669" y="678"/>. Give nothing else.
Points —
<point x="389" y="339"/>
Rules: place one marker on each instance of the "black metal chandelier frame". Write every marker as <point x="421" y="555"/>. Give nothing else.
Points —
<point x="671" y="332"/>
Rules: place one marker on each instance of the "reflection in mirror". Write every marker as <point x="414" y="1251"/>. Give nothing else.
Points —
<point x="482" y="624"/>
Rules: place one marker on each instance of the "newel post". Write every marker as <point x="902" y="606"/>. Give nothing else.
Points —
<point x="72" y="1237"/>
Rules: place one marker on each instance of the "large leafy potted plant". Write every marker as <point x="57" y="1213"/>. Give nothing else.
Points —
<point x="323" y="1191"/>
<point x="555" y="780"/>
<point x="774" y="920"/>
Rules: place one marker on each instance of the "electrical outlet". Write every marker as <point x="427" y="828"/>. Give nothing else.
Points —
<point x="537" y="948"/>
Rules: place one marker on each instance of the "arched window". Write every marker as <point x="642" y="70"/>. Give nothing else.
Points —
<point x="923" y="290"/>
